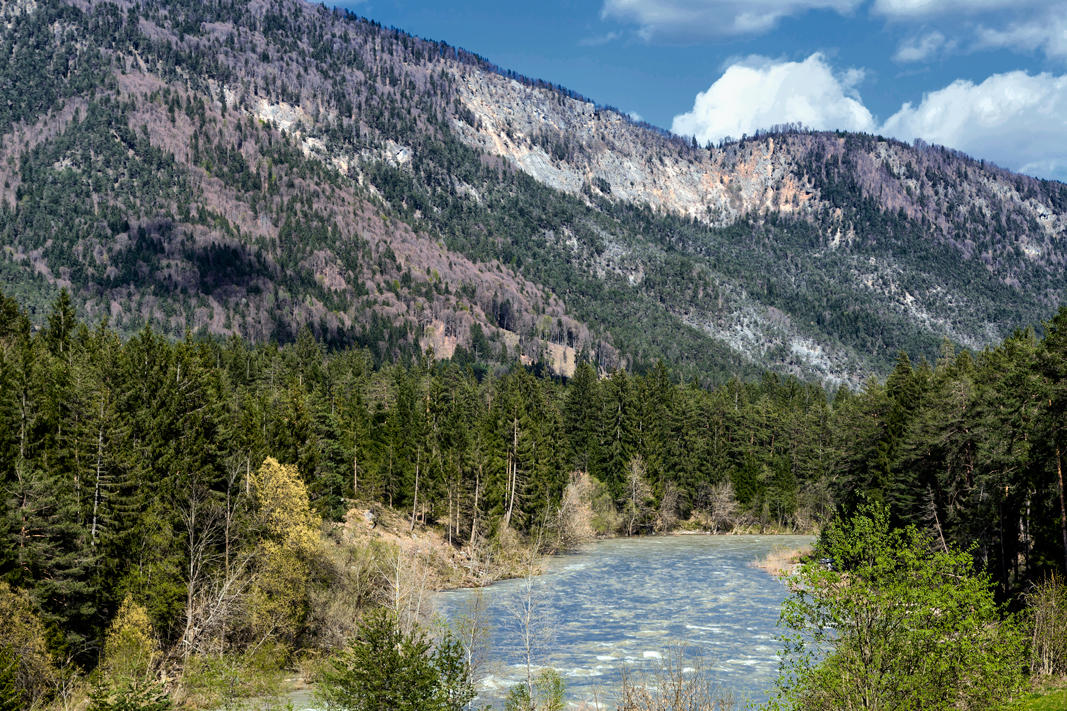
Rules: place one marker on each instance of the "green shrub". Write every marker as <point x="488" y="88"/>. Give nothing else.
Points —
<point x="894" y="624"/>
<point x="385" y="669"/>
<point x="10" y="698"/>
<point x="131" y="696"/>
<point x="549" y="690"/>
<point x="228" y="682"/>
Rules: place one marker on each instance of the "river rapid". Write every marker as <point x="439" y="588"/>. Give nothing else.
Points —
<point x="622" y="602"/>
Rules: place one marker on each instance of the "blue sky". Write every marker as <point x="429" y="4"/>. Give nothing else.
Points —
<point x="988" y="77"/>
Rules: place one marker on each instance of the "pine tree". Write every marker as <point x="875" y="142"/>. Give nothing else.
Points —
<point x="619" y="434"/>
<point x="582" y="420"/>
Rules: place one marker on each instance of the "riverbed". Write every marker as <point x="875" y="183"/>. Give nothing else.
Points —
<point x="624" y="602"/>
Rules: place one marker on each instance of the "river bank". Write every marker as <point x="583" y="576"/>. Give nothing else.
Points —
<point x="457" y="564"/>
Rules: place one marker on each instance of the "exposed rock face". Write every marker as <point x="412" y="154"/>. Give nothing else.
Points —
<point x="567" y="144"/>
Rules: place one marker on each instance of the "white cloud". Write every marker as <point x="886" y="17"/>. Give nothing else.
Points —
<point x="1047" y="33"/>
<point x="1015" y="119"/>
<point x="759" y="93"/>
<point x="921" y="49"/>
<point x="905" y="9"/>
<point x="691" y="20"/>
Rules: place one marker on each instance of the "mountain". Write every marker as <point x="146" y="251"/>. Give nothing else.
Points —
<point x="256" y="168"/>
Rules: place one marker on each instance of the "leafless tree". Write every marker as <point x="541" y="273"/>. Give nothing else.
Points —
<point x="574" y="517"/>
<point x="677" y="682"/>
<point x="202" y="522"/>
<point x="638" y="495"/>
<point x="410" y="590"/>
<point x="667" y="514"/>
<point x="530" y="620"/>
<point x="353" y="581"/>
<point x="722" y="507"/>
<point x="473" y="628"/>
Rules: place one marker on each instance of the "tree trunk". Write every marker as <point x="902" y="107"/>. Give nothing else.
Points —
<point x="415" y="503"/>
<point x="514" y="472"/>
<point x="474" y="514"/>
<point x="1003" y="562"/>
<point x="99" y="470"/>
<point x="1063" y="505"/>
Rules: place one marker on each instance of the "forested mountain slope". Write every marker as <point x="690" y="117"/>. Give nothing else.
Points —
<point x="250" y="168"/>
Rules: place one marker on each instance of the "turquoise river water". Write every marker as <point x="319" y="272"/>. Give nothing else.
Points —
<point x="621" y="602"/>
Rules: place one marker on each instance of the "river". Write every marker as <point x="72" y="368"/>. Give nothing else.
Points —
<point x="621" y="602"/>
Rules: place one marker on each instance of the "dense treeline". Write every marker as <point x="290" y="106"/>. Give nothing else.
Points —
<point x="110" y="450"/>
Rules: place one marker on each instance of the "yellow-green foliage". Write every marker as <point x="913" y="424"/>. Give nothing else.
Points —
<point x="290" y="542"/>
<point x="129" y="648"/>
<point x="284" y="507"/>
<point x="23" y="633"/>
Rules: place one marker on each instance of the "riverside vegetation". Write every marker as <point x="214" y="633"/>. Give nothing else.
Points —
<point x="173" y="507"/>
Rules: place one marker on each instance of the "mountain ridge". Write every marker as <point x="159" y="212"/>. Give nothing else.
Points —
<point x="272" y="166"/>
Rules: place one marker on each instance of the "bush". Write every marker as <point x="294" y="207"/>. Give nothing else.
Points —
<point x="1048" y="648"/>
<point x="549" y="691"/>
<point x="893" y="623"/>
<point x="387" y="669"/>
<point x="229" y="681"/>
<point x="10" y="698"/>
<point x="129" y="648"/>
<point x="131" y="696"/>
<point x="30" y="675"/>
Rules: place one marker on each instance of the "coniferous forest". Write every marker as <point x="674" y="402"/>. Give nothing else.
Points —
<point x="135" y="469"/>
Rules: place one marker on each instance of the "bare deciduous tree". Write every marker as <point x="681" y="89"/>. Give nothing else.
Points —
<point x="410" y="591"/>
<point x="574" y="518"/>
<point x="680" y="681"/>
<point x="667" y="514"/>
<point x="473" y="628"/>
<point x="202" y="522"/>
<point x="722" y="507"/>
<point x="530" y="620"/>
<point x="638" y="495"/>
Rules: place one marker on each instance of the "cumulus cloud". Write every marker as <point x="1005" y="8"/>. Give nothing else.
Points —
<point x="693" y="20"/>
<point x="1015" y="119"/>
<point x="759" y="93"/>
<point x="921" y="49"/>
